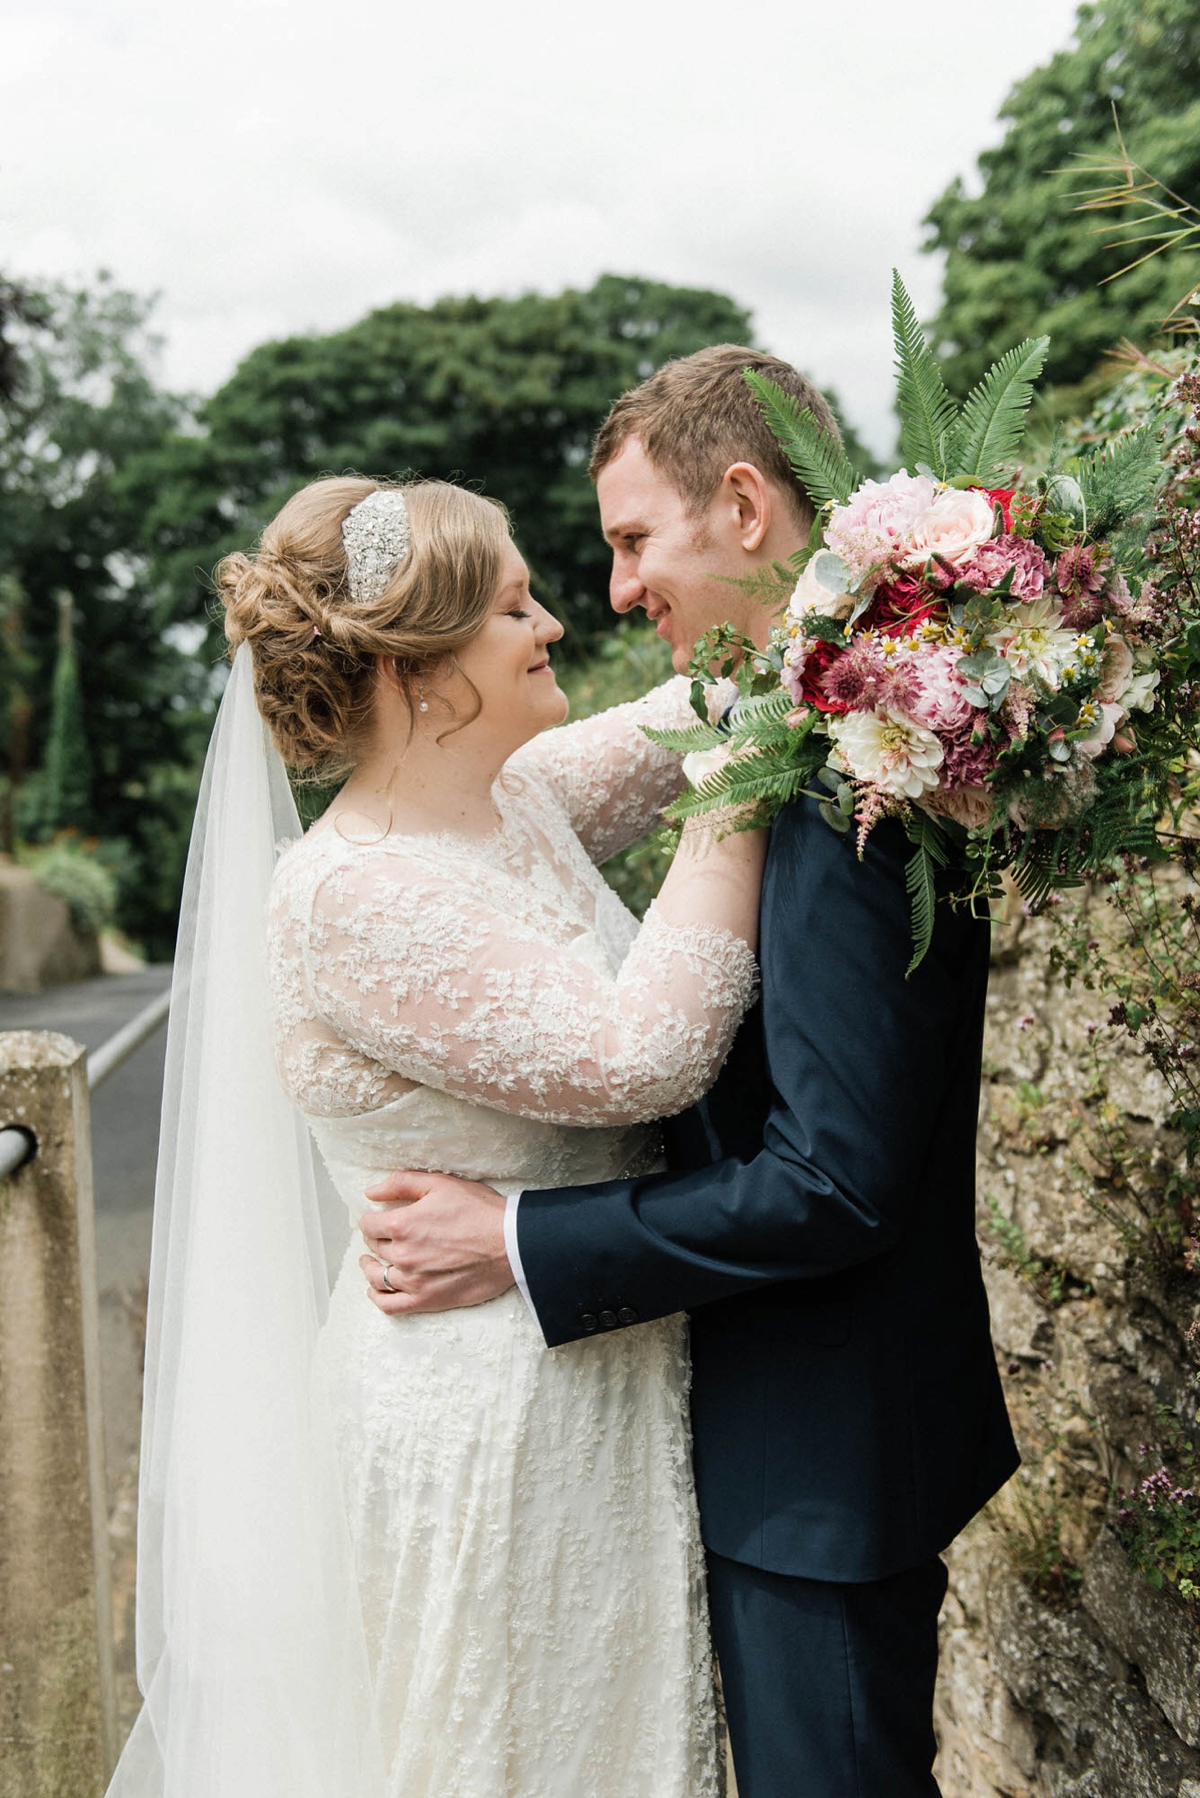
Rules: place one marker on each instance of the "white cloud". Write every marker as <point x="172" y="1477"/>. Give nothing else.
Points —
<point x="274" y="167"/>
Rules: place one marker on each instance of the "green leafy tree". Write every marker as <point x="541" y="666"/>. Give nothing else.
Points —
<point x="503" y="393"/>
<point x="66" y="786"/>
<point x="82" y="405"/>
<point x="1021" y="259"/>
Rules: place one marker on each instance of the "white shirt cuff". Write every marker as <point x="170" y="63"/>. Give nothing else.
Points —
<point x="513" y="1251"/>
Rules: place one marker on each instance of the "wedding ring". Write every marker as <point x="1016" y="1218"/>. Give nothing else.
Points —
<point x="387" y="1277"/>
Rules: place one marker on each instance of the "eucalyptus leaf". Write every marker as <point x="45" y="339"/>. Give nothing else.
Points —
<point x="831" y="572"/>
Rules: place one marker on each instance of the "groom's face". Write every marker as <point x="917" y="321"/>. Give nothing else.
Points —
<point x="668" y="560"/>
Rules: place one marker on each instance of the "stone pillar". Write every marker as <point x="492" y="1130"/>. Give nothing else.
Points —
<point x="57" y="1701"/>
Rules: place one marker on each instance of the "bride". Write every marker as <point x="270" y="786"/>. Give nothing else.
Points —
<point x="426" y="1556"/>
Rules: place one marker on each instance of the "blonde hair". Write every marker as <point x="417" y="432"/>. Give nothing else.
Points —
<point x="697" y="416"/>
<point x="315" y="648"/>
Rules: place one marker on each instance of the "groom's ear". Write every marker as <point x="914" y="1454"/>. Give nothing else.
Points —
<point x="747" y="500"/>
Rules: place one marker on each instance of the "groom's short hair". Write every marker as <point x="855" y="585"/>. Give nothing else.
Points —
<point x="697" y="416"/>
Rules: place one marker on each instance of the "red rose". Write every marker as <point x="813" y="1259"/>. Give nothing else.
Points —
<point x="1002" y="497"/>
<point x="905" y="601"/>
<point x="820" y="656"/>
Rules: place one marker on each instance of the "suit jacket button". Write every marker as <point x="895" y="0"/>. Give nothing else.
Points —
<point x="627" y="1315"/>
<point x="608" y="1320"/>
<point x="588" y="1322"/>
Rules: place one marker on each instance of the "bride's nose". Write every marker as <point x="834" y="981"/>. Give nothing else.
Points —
<point x="549" y="630"/>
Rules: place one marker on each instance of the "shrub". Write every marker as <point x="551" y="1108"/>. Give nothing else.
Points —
<point x="75" y="873"/>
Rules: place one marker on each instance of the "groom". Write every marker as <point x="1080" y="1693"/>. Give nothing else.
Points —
<point x="817" y="1220"/>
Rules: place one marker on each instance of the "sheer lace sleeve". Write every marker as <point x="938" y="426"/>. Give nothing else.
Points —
<point x="430" y="981"/>
<point x="612" y="781"/>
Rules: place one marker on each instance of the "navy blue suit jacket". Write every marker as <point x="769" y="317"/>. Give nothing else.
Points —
<point x="818" y="1222"/>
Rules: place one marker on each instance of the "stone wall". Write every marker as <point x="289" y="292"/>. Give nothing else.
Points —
<point x="1065" y="1674"/>
<point x="39" y="946"/>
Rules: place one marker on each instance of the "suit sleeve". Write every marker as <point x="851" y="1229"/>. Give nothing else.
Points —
<point x="859" y="1059"/>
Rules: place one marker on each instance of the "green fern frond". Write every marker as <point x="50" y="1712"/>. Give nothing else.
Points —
<point x="762" y="708"/>
<point x="919" y="879"/>
<point x="1118" y="479"/>
<point x="685" y="738"/>
<point x="993" y="419"/>
<point x="928" y="415"/>
<point x="820" y="462"/>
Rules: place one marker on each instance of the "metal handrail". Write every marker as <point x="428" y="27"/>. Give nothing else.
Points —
<point x="18" y="1146"/>
<point x="119" y="1047"/>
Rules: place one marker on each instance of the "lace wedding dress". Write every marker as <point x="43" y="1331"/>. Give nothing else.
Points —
<point x="522" y="1519"/>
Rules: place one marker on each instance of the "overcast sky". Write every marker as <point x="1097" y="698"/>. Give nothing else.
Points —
<point x="272" y="166"/>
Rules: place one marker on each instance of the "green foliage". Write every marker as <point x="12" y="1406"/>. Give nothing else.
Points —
<point x="76" y="874"/>
<point x="66" y="790"/>
<point x="930" y="852"/>
<point x="993" y="418"/>
<point x="85" y="405"/>
<point x="1049" y="1280"/>
<point x="1118" y="479"/>
<point x="928" y="414"/>
<point x="1020" y="259"/>
<point x="822" y="465"/>
<point x="1159" y="1520"/>
<point x="505" y="394"/>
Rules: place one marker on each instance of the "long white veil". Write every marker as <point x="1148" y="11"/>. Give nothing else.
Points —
<point x="250" y="1650"/>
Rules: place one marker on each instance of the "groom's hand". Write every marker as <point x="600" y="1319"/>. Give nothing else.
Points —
<point x="442" y="1247"/>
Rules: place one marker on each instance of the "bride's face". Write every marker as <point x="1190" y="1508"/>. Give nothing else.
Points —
<point x="508" y="663"/>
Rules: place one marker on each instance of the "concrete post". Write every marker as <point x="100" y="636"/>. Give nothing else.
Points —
<point x="57" y="1696"/>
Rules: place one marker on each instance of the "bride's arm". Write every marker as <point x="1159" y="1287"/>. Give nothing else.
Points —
<point x="611" y="780"/>
<point x="437" y="985"/>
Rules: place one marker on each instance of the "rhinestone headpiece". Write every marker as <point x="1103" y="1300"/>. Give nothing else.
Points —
<point x="377" y="536"/>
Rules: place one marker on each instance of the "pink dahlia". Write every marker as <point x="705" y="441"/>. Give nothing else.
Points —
<point x="967" y="763"/>
<point x="940" y="701"/>
<point x="875" y="522"/>
<point x="992" y="561"/>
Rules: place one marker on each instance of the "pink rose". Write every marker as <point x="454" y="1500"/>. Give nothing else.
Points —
<point x="874" y="524"/>
<point x="1115" y="671"/>
<point x="969" y="806"/>
<point x="953" y="528"/>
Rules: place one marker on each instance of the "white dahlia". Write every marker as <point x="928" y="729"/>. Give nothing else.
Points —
<point x="891" y="751"/>
<point x="1032" y="640"/>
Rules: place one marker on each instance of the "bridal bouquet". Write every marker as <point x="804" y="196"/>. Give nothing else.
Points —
<point x="957" y="648"/>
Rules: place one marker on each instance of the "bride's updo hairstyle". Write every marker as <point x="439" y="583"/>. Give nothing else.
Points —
<point x="315" y="646"/>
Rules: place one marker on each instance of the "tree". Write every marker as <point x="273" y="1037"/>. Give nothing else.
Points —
<point x="503" y="393"/>
<point x="66" y="789"/>
<point x="82" y="406"/>
<point x="1020" y="259"/>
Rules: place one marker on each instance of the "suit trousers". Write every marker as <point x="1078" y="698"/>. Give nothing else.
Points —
<point x="828" y="1688"/>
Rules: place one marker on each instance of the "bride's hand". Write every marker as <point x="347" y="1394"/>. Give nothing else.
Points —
<point x="441" y="1247"/>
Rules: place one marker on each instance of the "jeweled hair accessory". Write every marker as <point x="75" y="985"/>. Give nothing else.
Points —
<point x="377" y="536"/>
